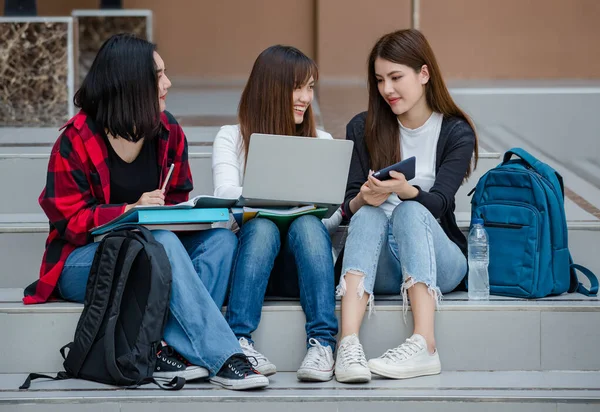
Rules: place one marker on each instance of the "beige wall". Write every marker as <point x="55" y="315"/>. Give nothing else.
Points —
<point x="222" y="38"/>
<point x="348" y="29"/>
<point x="473" y="39"/>
<point x="508" y="39"/>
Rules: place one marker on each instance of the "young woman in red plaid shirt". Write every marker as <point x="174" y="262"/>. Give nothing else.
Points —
<point x="112" y="156"/>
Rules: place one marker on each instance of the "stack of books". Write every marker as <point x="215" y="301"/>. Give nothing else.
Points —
<point x="200" y="212"/>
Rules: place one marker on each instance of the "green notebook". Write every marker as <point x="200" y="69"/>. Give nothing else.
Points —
<point x="283" y="222"/>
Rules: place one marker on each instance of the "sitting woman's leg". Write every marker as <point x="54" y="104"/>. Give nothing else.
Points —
<point x="307" y="249"/>
<point x="212" y="253"/>
<point x="367" y="236"/>
<point x="195" y="326"/>
<point x="259" y="245"/>
<point x="431" y="265"/>
<point x="72" y="282"/>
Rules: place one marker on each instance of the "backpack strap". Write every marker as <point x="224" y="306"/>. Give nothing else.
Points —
<point x="170" y="385"/>
<point x="133" y="250"/>
<point x="540" y="167"/>
<point x="524" y="155"/>
<point x="59" y="377"/>
<point x="577" y="286"/>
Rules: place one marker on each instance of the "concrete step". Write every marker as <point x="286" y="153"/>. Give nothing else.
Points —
<point x="30" y="165"/>
<point x="46" y="136"/>
<point x="451" y="392"/>
<point x="559" y="333"/>
<point x="23" y="236"/>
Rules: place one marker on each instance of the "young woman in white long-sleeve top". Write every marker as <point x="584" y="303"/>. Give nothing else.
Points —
<point x="277" y="100"/>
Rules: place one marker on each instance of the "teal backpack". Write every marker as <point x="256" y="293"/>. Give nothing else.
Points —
<point x="522" y="204"/>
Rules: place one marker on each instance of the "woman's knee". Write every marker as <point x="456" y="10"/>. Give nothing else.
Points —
<point x="261" y="232"/>
<point x="224" y="239"/>
<point x="407" y="215"/>
<point x="167" y="238"/>
<point x="309" y="229"/>
<point x="369" y="215"/>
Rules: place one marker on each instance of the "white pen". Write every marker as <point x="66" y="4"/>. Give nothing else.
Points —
<point x="169" y="173"/>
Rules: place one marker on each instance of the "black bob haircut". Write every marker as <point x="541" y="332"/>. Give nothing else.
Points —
<point x="120" y="92"/>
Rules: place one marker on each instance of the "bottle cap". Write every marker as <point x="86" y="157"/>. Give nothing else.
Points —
<point x="477" y="221"/>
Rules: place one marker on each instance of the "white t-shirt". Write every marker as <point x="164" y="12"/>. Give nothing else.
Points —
<point x="421" y="143"/>
<point x="228" y="161"/>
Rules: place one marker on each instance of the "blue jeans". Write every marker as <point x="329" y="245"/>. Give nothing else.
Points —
<point x="304" y="267"/>
<point x="200" y="264"/>
<point x="395" y="253"/>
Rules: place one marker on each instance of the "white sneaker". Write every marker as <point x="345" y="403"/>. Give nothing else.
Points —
<point x="351" y="364"/>
<point x="409" y="360"/>
<point x="263" y="365"/>
<point x="317" y="364"/>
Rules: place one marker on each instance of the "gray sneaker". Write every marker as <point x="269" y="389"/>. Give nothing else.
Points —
<point x="262" y="365"/>
<point x="317" y="364"/>
<point x="351" y="363"/>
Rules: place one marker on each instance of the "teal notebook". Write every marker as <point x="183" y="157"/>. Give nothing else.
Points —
<point x="165" y="217"/>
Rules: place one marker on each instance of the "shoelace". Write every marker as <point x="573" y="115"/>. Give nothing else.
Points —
<point x="317" y="356"/>
<point x="169" y="353"/>
<point x="352" y="353"/>
<point x="240" y="365"/>
<point x="408" y="348"/>
<point x="251" y="352"/>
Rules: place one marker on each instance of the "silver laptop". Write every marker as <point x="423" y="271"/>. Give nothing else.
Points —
<point x="294" y="171"/>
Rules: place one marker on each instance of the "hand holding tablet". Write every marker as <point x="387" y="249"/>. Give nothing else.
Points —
<point x="406" y="167"/>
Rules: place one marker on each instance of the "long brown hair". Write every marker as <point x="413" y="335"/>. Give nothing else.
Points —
<point x="410" y="48"/>
<point x="266" y="105"/>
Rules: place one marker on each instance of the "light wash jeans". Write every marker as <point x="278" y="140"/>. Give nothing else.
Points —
<point x="303" y="266"/>
<point x="200" y="265"/>
<point x="395" y="253"/>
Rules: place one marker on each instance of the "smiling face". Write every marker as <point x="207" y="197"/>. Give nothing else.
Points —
<point x="163" y="81"/>
<point x="400" y="86"/>
<point x="302" y="97"/>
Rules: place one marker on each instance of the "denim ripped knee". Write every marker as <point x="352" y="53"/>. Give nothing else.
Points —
<point x="409" y="282"/>
<point x="341" y="289"/>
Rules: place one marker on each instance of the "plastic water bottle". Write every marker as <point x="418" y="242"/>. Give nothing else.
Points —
<point x="479" y="258"/>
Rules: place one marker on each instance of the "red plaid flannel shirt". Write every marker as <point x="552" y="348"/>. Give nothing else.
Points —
<point x="77" y="191"/>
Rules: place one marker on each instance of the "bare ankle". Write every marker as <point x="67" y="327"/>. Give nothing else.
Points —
<point x="431" y="348"/>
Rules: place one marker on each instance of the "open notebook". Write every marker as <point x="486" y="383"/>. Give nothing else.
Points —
<point x="282" y="217"/>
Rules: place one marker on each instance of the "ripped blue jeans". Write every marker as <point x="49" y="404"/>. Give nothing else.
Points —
<point x="393" y="253"/>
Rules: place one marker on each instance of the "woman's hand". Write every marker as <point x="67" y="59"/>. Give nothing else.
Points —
<point x="154" y="198"/>
<point x="371" y="197"/>
<point x="397" y="184"/>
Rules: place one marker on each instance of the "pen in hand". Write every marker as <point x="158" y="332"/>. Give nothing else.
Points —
<point x="169" y="173"/>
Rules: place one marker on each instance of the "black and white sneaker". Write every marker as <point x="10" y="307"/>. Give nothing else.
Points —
<point x="238" y="374"/>
<point x="170" y="364"/>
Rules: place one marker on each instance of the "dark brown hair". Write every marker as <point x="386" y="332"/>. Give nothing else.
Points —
<point x="120" y="92"/>
<point x="266" y="105"/>
<point x="410" y="48"/>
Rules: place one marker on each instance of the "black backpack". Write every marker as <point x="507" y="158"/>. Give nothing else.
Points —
<point x="125" y="311"/>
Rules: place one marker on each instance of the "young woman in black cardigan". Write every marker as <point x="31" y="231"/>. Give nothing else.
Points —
<point x="403" y="236"/>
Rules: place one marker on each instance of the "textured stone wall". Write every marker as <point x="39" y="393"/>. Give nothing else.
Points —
<point x="34" y="73"/>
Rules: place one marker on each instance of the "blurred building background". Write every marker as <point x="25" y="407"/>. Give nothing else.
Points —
<point x="206" y="41"/>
